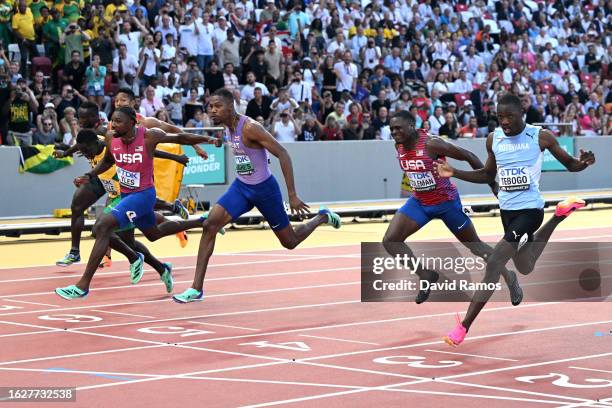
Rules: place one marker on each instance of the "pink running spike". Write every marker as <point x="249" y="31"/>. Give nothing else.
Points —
<point x="455" y="337"/>
<point x="568" y="206"/>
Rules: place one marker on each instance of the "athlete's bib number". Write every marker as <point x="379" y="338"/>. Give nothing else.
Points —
<point x="514" y="178"/>
<point x="422" y="181"/>
<point x="128" y="179"/>
<point x="109" y="186"/>
<point x="244" y="167"/>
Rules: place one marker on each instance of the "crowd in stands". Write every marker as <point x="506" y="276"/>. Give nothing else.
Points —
<point x="307" y="70"/>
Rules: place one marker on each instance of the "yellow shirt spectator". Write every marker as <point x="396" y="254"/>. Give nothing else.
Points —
<point x="23" y="23"/>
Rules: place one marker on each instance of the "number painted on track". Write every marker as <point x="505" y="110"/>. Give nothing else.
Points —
<point x="290" y="345"/>
<point x="562" y="380"/>
<point x="71" y="318"/>
<point x="184" y="332"/>
<point x="416" y="362"/>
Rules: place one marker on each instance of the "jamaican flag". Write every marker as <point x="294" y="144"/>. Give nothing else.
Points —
<point x="39" y="159"/>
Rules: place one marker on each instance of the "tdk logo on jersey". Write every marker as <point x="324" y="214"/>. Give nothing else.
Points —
<point x="515" y="171"/>
<point x="128" y="158"/>
<point x="412" y="164"/>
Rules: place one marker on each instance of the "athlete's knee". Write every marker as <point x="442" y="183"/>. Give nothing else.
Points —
<point x="101" y="228"/>
<point x="77" y="209"/>
<point x="211" y="227"/>
<point x="525" y="265"/>
<point x="494" y="268"/>
<point x="289" y="243"/>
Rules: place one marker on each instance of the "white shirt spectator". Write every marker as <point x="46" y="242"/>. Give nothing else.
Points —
<point x="266" y="40"/>
<point x="371" y="57"/>
<point x="348" y="73"/>
<point x="462" y="86"/>
<point x="131" y="41"/>
<point x="284" y="133"/>
<point x="189" y="39"/>
<point x="150" y="107"/>
<point x="301" y="91"/>
<point x="435" y="124"/>
<point x="219" y="35"/>
<point x="129" y="65"/>
<point x="168" y="53"/>
<point x="150" y="68"/>
<point x="248" y="91"/>
<point x="205" y="39"/>
<point x="508" y="75"/>
<point x="335" y="46"/>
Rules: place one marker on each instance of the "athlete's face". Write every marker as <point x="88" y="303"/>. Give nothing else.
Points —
<point x="401" y="131"/>
<point x="86" y="119"/>
<point x="122" y="100"/>
<point x="220" y="111"/>
<point x="89" y="150"/>
<point x="510" y="119"/>
<point x="122" y="124"/>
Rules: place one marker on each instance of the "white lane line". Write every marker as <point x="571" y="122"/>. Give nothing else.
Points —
<point x="592" y="369"/>
<point x="224" y="325"/>
<point x="122" y="314"/>
<point x="69" y="371"/>
<point x="472" y="355"/>
<point x="29" y="303"/>
<point x="265" y="275"/>
<point x="336" y="339"/>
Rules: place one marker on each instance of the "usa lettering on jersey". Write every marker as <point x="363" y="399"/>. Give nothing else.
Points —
<point x="412" y="164"/>
<point x="128" y="158"/>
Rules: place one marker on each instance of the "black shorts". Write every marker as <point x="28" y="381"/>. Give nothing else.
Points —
<point x="95" y="185"/>
<point x="520" y="222"/>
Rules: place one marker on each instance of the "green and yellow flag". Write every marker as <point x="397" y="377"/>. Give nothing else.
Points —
<point x="39" y="159"/>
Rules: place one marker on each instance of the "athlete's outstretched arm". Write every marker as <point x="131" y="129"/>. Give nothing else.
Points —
<point x="549" y="141"/>
<point x="483" y="175"/>
<point x="440" y="147"/>
<point x="151" y="122"/>
<point x="159" y="136"/>
<point x="65" y="153"/>
<point x="254" y="132"/>
<point x="106" y="163"/>
<point x="179" y="158"/>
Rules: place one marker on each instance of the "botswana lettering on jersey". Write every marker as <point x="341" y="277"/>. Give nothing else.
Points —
<point x="412" y="164"/>
<point x="128" y="158"/>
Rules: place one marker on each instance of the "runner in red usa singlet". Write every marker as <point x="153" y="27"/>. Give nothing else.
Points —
<point x="434" y="197"/>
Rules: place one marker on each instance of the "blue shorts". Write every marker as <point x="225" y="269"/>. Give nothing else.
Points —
<point x="265" y="196"/>
<point x="136" y="208"/>
<point x="450" y="212"/>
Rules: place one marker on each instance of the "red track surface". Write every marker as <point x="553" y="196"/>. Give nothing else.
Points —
<point x="286" y="327"/>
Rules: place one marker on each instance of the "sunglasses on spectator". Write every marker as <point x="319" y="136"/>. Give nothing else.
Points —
<point x="48" y="124"/>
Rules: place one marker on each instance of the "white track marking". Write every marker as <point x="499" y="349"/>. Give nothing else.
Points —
<point x="224" y="325"/>
<point x="191" y="280"/>
<point x="256" y="381"/>
<point x="70" y="371"/>
<point x="511" y="390"/>
<point x="497" y="370"/>
<point x="31" y="333"/>
<point x="416" y="379"/>
<point x="472" y="395"/>
<point x="122" y="314"/>
<point x="592" y="369"/>
<point x="472" y="355"/>
<point x="484" y="336"/>
<point x="332" y="338"/>
<point x="29" y="303"/>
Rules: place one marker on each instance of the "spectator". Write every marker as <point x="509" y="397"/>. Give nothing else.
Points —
<point x="449" y="128"/>
<point x="346" y="74"/>
<point x="230" y="80"/>
<point x="284" y="128"/>
<point x="229" y="51"/>
<point x="95" y="81"/>
<point x="332" y="130"/>
<point x="151" y="103"/>
<point x="283" y="102"/>
<point x="273" y="60"/>
<point x="299" y="90"/>
<point x="311" y="131"/>
<point x="72" y="39"/>
<point x="125" y="67"/>
<point x="248" y="91"/>
<point x="470" y="130"/>
<point x="175" y="109"/>
<point x="353" y="130"/>
<point x="23" y="30"/>
<point x="74" y="72"/>
<point x="70" y="98"/>
<point x="47" y="129"/>
<point x="150" y="57"/>
<point x="436" y="120"/>
<point x="259" y="105"/>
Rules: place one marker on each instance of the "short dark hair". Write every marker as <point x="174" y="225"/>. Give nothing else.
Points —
<point x="128" y="92"/>
<point x="86" y="136"/>
<point x="90" y="107"/>
<point x="406" y="116"/>
<point x="224" y="94"/>
<point x="510" y="100"/>
<point x="126" y="110"/>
